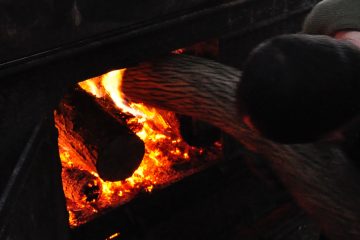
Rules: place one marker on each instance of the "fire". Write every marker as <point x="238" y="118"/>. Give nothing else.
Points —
<point x="164" y="151"/>
<point x="113" y="236"/>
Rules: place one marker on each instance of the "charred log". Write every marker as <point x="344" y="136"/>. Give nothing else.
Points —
<point x="319" y="176"/>
<point x="99" y="140"/>
<point x="87" y="187"/>
<point x="198" y="133"/>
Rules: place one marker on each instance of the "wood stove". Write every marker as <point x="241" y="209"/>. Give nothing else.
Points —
<point x="46" y="51"/>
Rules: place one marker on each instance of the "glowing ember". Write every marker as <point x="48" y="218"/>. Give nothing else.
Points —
<point x="167" y="157"/>
<point x="115" y="235"/>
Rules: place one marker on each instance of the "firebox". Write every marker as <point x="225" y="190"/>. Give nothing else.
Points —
<point x="216" y="191"/>
<point x="112" y="149"/>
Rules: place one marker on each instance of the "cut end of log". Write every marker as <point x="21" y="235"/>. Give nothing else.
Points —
<point x="121" y="158"/>
<point x="100" y="140"/>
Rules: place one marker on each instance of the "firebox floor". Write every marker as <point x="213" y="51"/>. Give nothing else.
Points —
<point x="237" y="199"/>
<point x="245" y="206"/>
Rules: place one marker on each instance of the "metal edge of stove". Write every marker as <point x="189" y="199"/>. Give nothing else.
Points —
<point x="20" y="172"/>
<point x="33" y="191"/>
<point x="123" y="49"/>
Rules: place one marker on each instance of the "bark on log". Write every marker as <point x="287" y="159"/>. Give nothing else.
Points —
<point x="98" y="138"/>
<point x="319" y="176"/>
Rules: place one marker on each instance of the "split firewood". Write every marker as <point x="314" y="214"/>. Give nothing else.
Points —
<point x="100" y="140"/>
<point x="319" y="175"/>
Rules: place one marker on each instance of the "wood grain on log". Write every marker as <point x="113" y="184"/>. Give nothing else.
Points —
<point x="99" y="139"/>
<point x="319" y="176"/>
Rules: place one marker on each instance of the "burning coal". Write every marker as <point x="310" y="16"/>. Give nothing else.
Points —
<point x="168" y="158"/>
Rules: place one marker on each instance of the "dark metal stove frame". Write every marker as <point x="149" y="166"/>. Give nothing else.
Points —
<point x="32" y="85"/>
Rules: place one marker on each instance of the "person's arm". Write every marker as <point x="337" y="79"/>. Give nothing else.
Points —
<point x="308" y="84"/>
<point x="351" y="36"/>
<point x="337" y="18"/>
<point x="331" y="16"/>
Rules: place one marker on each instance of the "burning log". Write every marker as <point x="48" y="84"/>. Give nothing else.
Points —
<point x="319" y="175"/>
<point x="100" y="140"/>
<point x="87" y="187"/>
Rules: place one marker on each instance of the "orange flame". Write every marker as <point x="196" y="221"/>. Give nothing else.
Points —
<point x="164" y="148"/>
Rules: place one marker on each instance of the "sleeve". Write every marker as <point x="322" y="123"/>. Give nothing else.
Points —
<point x="331" y="16"/>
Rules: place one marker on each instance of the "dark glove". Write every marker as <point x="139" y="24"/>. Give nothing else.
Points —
<point x="299" y="88"/>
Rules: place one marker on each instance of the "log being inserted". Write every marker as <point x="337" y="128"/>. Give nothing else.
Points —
<point x="319" y="176"/>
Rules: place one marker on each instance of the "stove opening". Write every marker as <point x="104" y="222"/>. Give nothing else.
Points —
<point x="112" y="149"/>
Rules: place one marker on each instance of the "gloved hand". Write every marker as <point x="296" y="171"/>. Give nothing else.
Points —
<point x="299" y="88"/>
